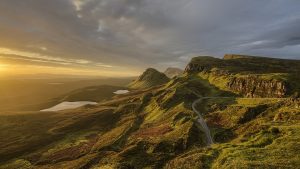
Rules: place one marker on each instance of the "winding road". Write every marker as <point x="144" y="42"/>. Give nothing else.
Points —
<point x="202" y="122"/>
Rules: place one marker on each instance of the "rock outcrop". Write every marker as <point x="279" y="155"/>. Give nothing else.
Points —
<point x="250" y="76"/>
<point x="252" y="86"/>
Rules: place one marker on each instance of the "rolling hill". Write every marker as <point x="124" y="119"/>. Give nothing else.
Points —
<point x="151" y="77"/>
<point x="154" y="126"/>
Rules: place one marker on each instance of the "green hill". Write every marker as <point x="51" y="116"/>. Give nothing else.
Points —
<point x="149" y="78"/>
<point x="157" y="128"/>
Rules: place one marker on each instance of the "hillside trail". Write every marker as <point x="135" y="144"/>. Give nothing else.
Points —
<point x="201" y="121"/>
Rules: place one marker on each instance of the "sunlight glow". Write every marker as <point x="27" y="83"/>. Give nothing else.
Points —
<point x="27" y="69"/>
<point x="3" y="67"/>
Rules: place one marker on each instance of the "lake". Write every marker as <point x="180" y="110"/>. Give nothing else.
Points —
<point x="69" y="105"/>
<point x="121" y="91"/>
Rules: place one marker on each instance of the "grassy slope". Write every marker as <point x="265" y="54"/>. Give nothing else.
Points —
<point x="151" y="77"/>
<point x="249" y="134"/>
<point x="156" y="128"/>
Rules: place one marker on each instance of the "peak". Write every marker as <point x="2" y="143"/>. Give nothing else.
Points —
<point x="151" y="70"/>
<point x="150" y="73"/>
<point x="151" y="77"/>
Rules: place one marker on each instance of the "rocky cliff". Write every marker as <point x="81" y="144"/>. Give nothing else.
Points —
<point x="253" y="86"/>
<point x="250" y="76"/>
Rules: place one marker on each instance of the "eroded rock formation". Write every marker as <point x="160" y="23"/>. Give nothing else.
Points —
<point x="252" y="86"/>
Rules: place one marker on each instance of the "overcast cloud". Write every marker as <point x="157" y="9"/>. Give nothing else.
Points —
<point x="135" y="34"/>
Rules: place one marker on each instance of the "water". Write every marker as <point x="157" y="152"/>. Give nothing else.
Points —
<point x="121" y="91"/>
<point x="203" y="123"/>
<point x="69" y="105"/>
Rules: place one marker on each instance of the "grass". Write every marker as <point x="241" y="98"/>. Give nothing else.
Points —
<point x="248" y="64"/>
<point x="259" y="143"/>
<point x="156" y="128"/>
<point x="149" y="78"/>
<point x="258" y="73"/>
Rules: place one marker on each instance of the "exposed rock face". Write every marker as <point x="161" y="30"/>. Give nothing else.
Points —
<point x="172" y="72"/>
<point x="203" y="63"/>
<point x="255" y="87"/>
<point x="195" y="68"/>
<point x="151" y="77"/>
<point x="245" y="74"/>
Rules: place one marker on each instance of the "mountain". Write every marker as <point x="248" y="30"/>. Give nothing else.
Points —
<point x="151" y="77"/>
<point x="158" y="127"/>
<point x="249" y="76"/>
<point x="172" y="72"/>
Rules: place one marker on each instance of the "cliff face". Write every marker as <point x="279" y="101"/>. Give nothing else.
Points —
<point x="249" y="76"/>
<point x="190" y="68"/>
<point x="255" y="87"/>
<point x="203" y="63"/>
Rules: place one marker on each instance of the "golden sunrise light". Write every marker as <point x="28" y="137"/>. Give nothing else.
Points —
<point x="18" y="69"/>
<point x="16" y="62"/>
<point x="3" y="67"/>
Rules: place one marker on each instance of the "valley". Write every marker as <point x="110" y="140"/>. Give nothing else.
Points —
<point x="28" y="93"/>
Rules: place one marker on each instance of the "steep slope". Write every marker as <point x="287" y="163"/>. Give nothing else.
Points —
<point x="249" y="76"/>
<point x="172" y="72"/>
<point x="149" y="78"/>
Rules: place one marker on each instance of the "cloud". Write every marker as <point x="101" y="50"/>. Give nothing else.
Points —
<point x="40" y="57"/>
<point x="136" y="34"/>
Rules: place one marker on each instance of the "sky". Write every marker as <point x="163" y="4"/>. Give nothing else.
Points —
<point x="124" y="37"/>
